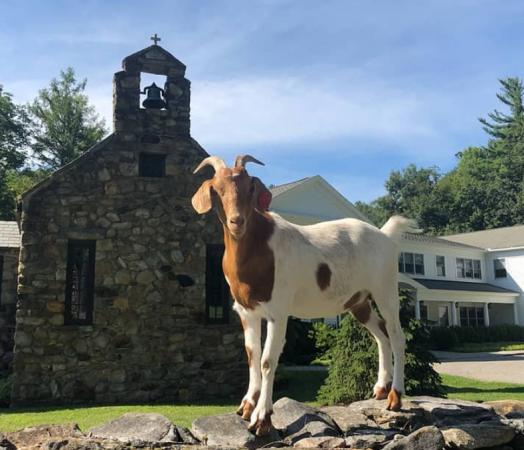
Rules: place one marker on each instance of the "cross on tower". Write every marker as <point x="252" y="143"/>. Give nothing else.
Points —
<point x="155" y="38"/>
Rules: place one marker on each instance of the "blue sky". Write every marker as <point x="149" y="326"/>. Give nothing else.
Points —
<point x="346" y="89"/>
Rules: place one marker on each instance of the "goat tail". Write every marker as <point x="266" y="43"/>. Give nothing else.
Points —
<point x="396" y="225"/>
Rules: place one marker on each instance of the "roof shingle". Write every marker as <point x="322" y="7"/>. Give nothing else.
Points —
<point x="9" y="235"/>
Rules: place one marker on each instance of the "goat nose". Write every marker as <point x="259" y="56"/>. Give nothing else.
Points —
<point x="237" y="220"/>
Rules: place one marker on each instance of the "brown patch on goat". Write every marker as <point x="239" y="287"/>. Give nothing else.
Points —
<point x="248" y="407"/>
<point x="360" y="306"/>
<point x="265" y="365"/>
<point x="394" y="400"/>
<point x="381" y="393"/>
<point x="382" y="326"/>
<point x="249" y="263"/>
<point x="323" y="276"/>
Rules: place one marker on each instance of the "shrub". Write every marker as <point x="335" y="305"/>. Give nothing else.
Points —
<point x="353" y="354"/>
<point x="445" y="338"/>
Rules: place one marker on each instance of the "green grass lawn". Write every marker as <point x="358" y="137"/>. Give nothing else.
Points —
<point x="472" y="347"/>
<point x="301" y="386"/>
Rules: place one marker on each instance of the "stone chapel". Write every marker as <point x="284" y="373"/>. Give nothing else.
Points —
<point x="121" y="296"/>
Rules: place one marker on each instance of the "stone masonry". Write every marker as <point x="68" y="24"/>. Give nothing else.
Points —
<point x="9" y="257"/>
<point x="149" y="339"/>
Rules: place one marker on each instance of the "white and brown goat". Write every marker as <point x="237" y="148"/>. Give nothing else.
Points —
<point x="276" y="269"/>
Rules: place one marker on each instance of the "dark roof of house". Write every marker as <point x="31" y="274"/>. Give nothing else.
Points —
<point x="9" y="235"/>
<point x="496" y="238"/>
<point x="445" y="285"/>
<point x="424" y="238"/>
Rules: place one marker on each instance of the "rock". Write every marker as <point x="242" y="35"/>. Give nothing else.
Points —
<point x="37" y="437"/>
<point x="448" y="412"/>
<point x="516" y="424"/>
<point x="472" y="436"/>
<point x="185" y="436"/>
<point x="75" y="444"/>
<point x="346" y="418"/>
<point x="142" y="427"/>
<point x="425" y="438"/>
<point x="409" y="418"/>
<point x="229" y="430"/>
<point x="6" y="444"/>
<point x="297" y="421"/>
<point x="512" y="409"/>
<point x="321" y="442"/>
<point x="369" y="438"/>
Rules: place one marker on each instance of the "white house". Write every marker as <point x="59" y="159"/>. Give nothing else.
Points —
<point x="471" y="279"/>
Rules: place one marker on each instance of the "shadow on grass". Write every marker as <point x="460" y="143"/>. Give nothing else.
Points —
<point x="472" y="390"/>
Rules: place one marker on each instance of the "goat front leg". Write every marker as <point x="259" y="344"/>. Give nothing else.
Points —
<point x="251" y="325"/>
<point x="276" y="336"/>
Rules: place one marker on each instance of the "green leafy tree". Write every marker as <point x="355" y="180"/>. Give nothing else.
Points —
<point x="13" y="143"/>
<point x="65" y="124"/>
<point x="353" y="357"/>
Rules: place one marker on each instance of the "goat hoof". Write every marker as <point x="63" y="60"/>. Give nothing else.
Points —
<point x="263" y="426"/>
<point x="247" y="410"/>
<point x="240" y="409"/>
<point x="381" y="392"/>
<point x="394" y="400"/>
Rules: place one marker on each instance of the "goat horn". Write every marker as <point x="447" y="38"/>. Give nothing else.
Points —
<point x="242" y="160"/>
<point x="213" y="161"/>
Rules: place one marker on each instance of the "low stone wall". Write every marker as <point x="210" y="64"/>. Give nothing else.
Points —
<point x="424" y="423"/>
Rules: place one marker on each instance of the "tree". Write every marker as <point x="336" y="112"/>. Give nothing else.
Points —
<point x="504" y="126"/>
<point x="13" y="141"/>
<point x="412" y="192"/>
<point x="65" y="124"/>
<point x="353" y="357"/>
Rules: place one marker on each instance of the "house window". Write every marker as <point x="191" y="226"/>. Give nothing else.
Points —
<point x="468" y="268"/>
<point x="441" y="266"/>
<point x="443" y="316"/>
<point x="411" y="263"/>
<point x="500" y="268"/>
<point x="472" y="316"/>
<point x="1" y="276"/>
<point x="152" y="165"/>
<point x="80" y="282"/>
<point x="218" y="301"/>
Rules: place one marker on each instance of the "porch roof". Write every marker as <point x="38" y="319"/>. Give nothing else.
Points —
<point x="445" y="285"/>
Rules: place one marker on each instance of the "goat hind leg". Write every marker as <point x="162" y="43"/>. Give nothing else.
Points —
<point x="398" y="345"/>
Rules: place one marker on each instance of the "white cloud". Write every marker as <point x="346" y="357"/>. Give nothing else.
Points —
<point x="281" y="110"/>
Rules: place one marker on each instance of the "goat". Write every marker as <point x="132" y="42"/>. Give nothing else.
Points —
<point x="276" y="269"/>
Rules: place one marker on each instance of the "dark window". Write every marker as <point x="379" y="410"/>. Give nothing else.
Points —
<point x="218" y="301"/>
<point x="441" y="266"/>
<point x="152" y="165"/>
<point x="411" y="263"/>
<point x="472" y="316"/>
<point x="423" y="312"/>
<point x="500" y="268"/>
<point x="468" y="268"/>
<point x="80" y="282"/>
<point x="1" y="276"/>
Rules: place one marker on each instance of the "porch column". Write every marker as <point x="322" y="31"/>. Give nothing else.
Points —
<point x="454" y="318"/>
<point x="417" y="309"/>
<point x="516" y="313"/>
<point x="486" y="315"/>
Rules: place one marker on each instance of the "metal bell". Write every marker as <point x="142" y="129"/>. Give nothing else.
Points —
<point x="154" y="98"/>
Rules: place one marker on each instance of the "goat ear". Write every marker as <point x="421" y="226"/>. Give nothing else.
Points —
<point x="262" y="194"/>
<point x="201" y="201"/>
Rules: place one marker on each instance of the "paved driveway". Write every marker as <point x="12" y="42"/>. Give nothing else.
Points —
<point x="507" y="367"/>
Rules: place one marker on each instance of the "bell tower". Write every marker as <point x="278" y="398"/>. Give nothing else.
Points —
<point x="165" y="110"/>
